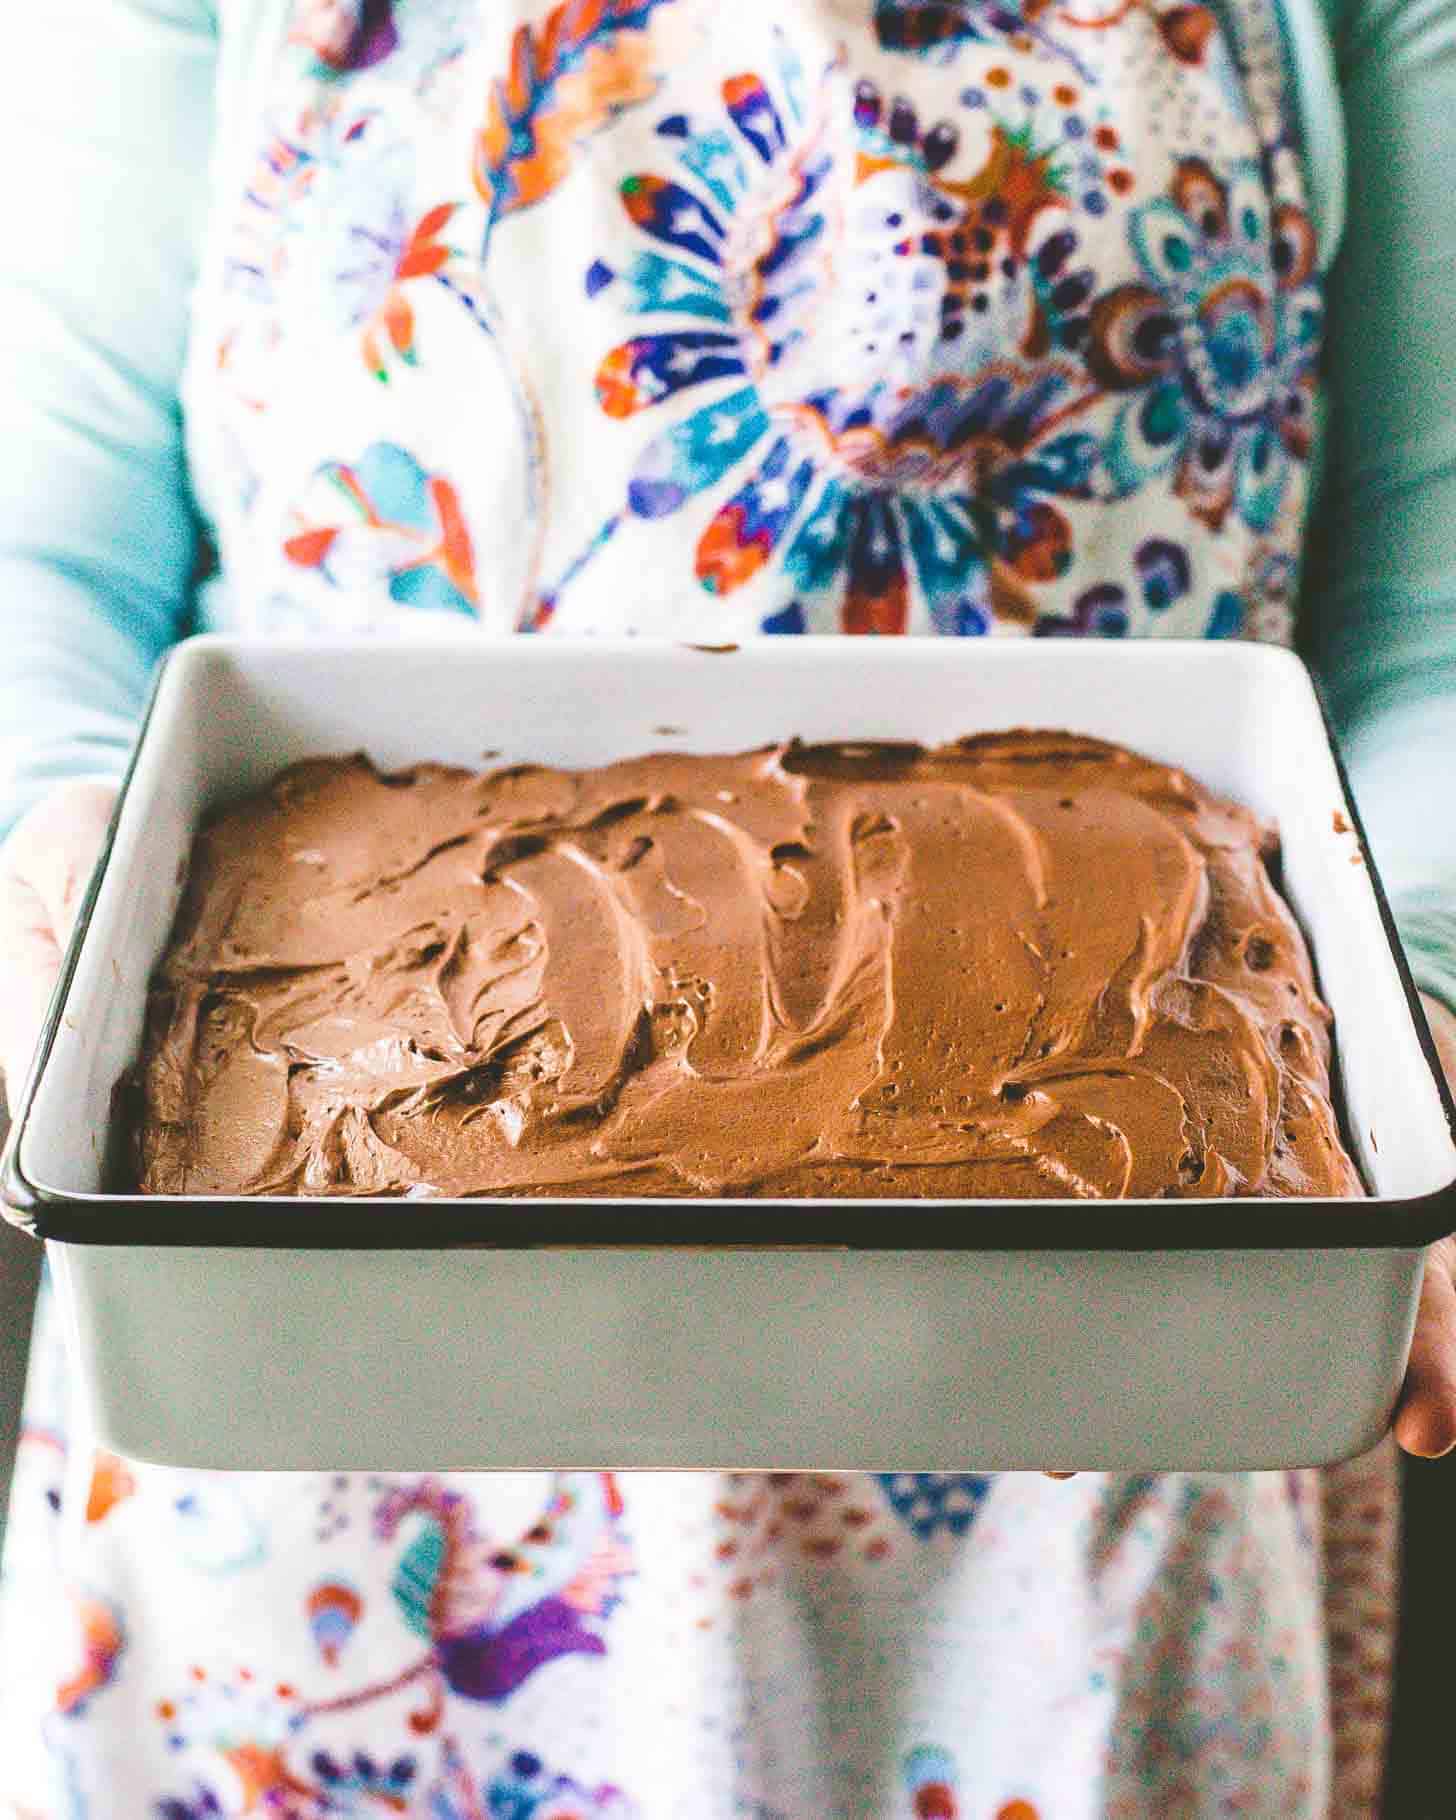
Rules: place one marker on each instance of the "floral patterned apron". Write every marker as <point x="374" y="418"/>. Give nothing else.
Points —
<point x="697" y="319"/>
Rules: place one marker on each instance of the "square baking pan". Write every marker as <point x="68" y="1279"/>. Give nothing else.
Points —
<point x="888" y="1335"/>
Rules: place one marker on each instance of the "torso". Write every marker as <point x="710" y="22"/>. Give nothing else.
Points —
<point x="668" y="318"/>
<point x="698" y="320"/>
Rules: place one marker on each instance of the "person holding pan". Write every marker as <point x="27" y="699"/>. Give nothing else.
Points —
<point x="1045" y="318"/>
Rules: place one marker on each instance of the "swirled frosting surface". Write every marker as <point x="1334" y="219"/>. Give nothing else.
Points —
<point x="1026" y="964"/>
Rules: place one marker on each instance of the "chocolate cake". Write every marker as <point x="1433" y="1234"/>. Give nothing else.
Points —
<point x="1026" y="964"/>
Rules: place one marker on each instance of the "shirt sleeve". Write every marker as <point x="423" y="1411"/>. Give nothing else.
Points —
<point x="105" y="130"/>
<point x="1381" y="581"/>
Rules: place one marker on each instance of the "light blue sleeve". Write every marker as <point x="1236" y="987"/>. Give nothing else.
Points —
<point x="105" y="127"/>
<point x="1381" y="581"/>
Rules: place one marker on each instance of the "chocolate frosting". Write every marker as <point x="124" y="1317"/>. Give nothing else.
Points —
<point x="1025" y="964"/>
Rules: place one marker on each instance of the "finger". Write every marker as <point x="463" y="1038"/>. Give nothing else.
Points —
<point x="60" y="866"/>
<point x="1443" y="1028"/>
<point x="33" y="962"/>
<point x="44" y="870"/>
<point x="1425" y="1422"/>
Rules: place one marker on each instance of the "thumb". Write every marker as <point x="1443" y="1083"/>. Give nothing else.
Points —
<point x="1425" y="1423"/>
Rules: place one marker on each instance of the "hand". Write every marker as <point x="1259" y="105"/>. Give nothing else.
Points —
<point x="44" y="869"/>
<point x="1425" y="1422"/>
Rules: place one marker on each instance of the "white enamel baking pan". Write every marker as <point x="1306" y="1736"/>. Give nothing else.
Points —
<point x="286" y="1334"/>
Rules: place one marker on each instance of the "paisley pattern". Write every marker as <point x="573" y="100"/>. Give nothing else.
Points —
<point x="1219" y="345"/>
<point x="334" y="1609"/>
<point x="905" y="325"/>
<point x="482" y="1606"/>
<point x="490" y="1613"/>
<point x="966" y="317"/>
<point x="908" y="359"/>
<point x="947" y="476"/>
<point x="589" y="61"/>
<point x="384" y="518"/>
